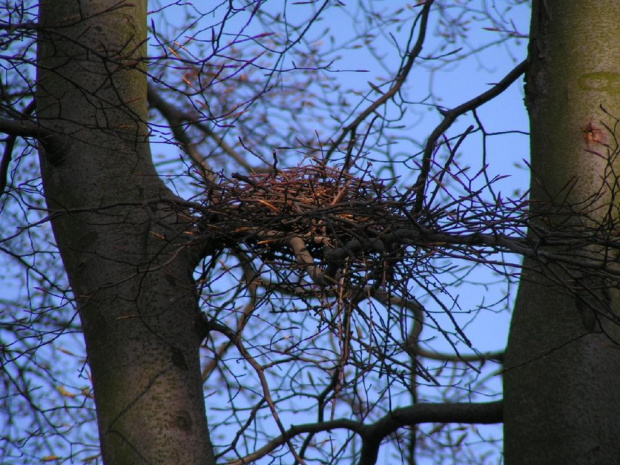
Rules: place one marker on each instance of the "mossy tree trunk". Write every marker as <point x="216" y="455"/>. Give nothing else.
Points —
<point x="125" y="252"/>
<point x="562" y="366"/>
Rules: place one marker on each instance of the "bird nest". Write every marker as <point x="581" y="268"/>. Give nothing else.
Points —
<point x="318" y="217"/>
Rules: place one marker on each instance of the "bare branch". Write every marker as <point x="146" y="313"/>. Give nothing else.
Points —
<point x="373" y="434"/>
<point x="455" y="358"/>
<point x="482" y="413"/>
<point x="305" y="259"/>
<point x="23" y="128"/>
<point x="396" y="85"/>
<point x="10" y="145"/>
<point x="178" y="121"/>
<point x="450" y="117"/>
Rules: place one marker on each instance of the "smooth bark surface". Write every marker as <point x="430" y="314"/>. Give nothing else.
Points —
<point x="562" y="365"/>
<point x="124" y="251"/>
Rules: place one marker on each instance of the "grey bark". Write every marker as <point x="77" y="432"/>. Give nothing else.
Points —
<point x="127" y="259"/>
<point x="562" y="364"/>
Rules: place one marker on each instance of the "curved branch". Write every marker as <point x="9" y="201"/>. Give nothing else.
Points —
<point x="251" y="284"/>
<point x="305" y="259"/>
<point x="449" y="117"/>
<point x="455" y="358"/>
<point x="373" y="434"/>
<point x="259" y="370"/>
<point x="177" y="119"/>
<point x="296" y="430"/>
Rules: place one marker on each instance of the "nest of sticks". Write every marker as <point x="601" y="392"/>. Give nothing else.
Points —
<point x="322" y="219"/>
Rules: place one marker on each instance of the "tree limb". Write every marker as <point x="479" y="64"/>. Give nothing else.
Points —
<point x="10" y="144"/>
<point x="15" y="128"/>
<point x="305" y="259"/>
<point x="373" y="434"/>
<point x="23" y="128"/>
<point x="449" y="117"/>
<point x="6" y="161"/>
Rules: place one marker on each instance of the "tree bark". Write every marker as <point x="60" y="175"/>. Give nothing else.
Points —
<point x="125" y="250"/>
<point x="562" y="364"/>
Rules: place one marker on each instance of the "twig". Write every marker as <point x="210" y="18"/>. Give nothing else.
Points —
<point x="396" y="86"/>
<point x="418" y="189"/>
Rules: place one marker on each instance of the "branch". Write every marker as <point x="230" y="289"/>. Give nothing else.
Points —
<point x="15" y="128"/>
<point x="177" y="119"/>
<point x="23" y="128"/>
<point x="235" y="338"/>
<point x="449" y="117"/>
<point x="250" y="280"/>
<point x="419" y="237"/>
<point x="6" y="161"/>
<point x="455" y="358"/>
<point x="373" y="434"/>
<point x="296" y="430"/>
<point x="398" y="81"/>
<point x="305" y="259"/>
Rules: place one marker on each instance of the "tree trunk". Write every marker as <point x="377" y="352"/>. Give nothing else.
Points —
<point x="562" y="365"/>
<point x="125" y="253"/>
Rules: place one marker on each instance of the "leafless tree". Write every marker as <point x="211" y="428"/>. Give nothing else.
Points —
<point x="253" y="231"/>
